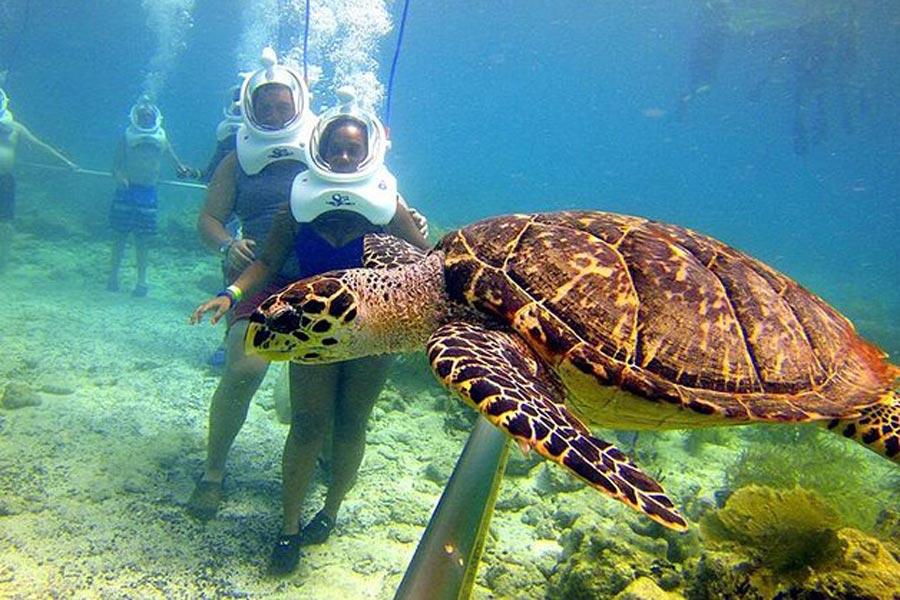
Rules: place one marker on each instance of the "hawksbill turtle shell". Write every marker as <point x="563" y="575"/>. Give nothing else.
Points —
<point x="547" y="322"/>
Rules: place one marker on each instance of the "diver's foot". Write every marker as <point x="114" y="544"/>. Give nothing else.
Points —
<point x="140" y="291"/>
<point x="205" y="500"/>
<point x="285" y="555"/>
<point x="317" y="530"/>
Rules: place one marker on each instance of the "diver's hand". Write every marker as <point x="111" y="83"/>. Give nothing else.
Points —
<point x="241" y="254"/>
<point x="186" y="172"/>
<point x="219" y="304"/>
<point x="420" y="220"/>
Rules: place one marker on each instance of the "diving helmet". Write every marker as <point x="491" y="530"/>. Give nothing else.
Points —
<point x="4" y="101"/>
<point x="145" y="116"/>
<point x="348" y="111"/>
<point x="362" y="184"/>
<point x="273" y="73"/>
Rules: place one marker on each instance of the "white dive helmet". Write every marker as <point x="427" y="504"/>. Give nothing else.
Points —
<point x="136" y="133"/>
<point x="370" y="190"/>
<point x="377" y="138"/>
<point x="4" y="101"/>
<point x="259" y="145"/>
<point x="272" y="72"/>
<point x="144" y="105"/>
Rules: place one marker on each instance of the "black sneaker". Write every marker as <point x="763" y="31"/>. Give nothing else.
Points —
<point x="285" y="555"/>
<point x="317" y="530"/>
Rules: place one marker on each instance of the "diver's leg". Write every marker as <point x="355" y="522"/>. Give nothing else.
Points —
<point x="118" y="252"/>
<point x="142" y="252"/>
<point x="313" y="393"/>
<point x="241" y="378"/>
<point x="361" y="383"/>
<point x="7" y="213"/>
<point x="227" y="412"/>
<point x="120" y="221"/>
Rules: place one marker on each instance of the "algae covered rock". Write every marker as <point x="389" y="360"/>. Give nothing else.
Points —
<point x="788" y="544"/>
<point x="602" y="558"/>
<point x="645" y="589"/>
<point x="784" y="530"/>
<point x="18" y="395"/>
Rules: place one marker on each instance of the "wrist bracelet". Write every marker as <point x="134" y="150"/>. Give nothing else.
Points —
<point x="233" y="293"/>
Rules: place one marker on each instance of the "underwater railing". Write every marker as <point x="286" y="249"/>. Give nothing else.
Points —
<point x="446" y="560"/>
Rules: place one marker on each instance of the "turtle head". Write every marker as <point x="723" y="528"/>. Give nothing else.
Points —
<point x="314" y="320"/>
<point x="352" y="313"/>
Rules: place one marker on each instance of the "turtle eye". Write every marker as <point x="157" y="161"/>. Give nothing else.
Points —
<point x="285" y="320"/>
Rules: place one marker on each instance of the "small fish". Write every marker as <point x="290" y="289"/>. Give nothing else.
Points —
<point x="654" y="112"/>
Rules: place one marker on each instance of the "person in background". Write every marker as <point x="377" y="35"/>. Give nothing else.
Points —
<point x="11" y="132"/>
<point x="346" y="157"/>
<point x="252" y="182"/>
<point x="226" y="132"/>
<point x="136" y="167"/>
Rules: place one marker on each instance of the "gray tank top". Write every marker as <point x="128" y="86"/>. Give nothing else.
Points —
<point x="258" y="199"/>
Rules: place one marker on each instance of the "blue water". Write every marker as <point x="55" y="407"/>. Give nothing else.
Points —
<point x="528" y="106"/>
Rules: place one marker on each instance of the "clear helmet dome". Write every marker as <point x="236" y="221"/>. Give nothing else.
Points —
<point x="348" y="143"/>
<point x="145" y="116"/>
<point x="264" y="102"/>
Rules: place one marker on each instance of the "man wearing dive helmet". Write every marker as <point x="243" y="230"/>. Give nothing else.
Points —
<point x="346" y="193"/>
<point x="309" y="235"/>
<point x="135" y="206"/>
<point x="11" y="131"/>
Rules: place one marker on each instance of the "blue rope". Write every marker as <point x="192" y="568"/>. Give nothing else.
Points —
<point x="305" y="41"/>
<point x="390" y="89"/>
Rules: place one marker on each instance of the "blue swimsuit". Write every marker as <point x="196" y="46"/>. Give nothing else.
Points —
<point x="315" y="255"/>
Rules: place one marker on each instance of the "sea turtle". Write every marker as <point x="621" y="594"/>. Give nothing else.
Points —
<point x="544" y="322"/>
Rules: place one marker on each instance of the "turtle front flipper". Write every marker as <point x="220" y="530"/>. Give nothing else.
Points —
<point x="500" y="376"/>
<point x="877" y="428"/>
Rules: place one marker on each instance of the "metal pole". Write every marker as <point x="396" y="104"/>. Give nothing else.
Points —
<point x="445" y="563"/>
<point x="79" y="170"/>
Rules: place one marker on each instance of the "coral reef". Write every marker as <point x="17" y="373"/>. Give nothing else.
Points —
<point x="823" y="466"/>
<point x="769" y="543"/>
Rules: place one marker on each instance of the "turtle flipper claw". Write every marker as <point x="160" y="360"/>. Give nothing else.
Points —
<point x="499" y="375"/>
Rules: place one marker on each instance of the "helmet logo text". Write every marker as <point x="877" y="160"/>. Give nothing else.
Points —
<point x="338" y="200"/>
<point x="280" y="152"/>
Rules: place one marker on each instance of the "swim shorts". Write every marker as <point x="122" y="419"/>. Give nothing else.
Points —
<point x="134" y="209"/>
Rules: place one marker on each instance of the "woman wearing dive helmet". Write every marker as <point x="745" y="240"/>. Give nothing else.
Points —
<point x="252" y="182"/>
<point x="346" y="158"/>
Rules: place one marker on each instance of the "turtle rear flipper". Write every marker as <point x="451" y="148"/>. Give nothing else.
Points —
<point x="500" y="376"/>
<point x="877" y="428"/>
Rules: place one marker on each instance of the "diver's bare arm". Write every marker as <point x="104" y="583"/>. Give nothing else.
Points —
<point x="33" y="139"/>
<point x="219" y="204"/>
<point x="403" y="226"/>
